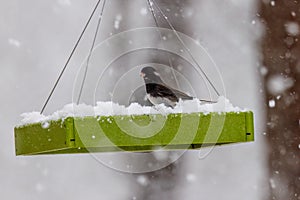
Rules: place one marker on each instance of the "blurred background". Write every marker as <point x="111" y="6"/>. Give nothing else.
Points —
<point x="253" y="43"/>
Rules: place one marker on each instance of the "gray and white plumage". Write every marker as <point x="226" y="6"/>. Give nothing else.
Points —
<point x="158" y="92"/>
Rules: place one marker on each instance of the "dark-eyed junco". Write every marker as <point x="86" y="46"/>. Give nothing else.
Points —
<point x="158" y="92"/>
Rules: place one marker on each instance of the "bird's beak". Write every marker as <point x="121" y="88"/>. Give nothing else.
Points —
<point x="142" y="74"/>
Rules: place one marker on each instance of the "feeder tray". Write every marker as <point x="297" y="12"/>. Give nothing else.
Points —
<point x="103" y="134"/>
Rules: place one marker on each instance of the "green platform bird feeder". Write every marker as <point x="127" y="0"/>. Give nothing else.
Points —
<point x="135" y="133"/>
<point x="103" y="134"/>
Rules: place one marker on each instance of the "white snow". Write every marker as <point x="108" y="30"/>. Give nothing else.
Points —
<point x="144" y="11"/>
<point x="45" y="124"/>
<point x="39" y="187"/>
<point x="112" y="109"/>
<point x="272" y="183"/>
<point x="277" y="84"/>
<point x="293" y="14"/>
<point x="272" y="103"/>
<point x="191" y="177"/>
<point x="14" y="42"/>
<point x="117" y="22"/>
<point x="143" y="180"/>
<point x="263" y="71"/>
<point x="160" y="155"/>
<point x="292" y="28"/>
<point x="32" y="117"/>
<point x="64" y="2"/>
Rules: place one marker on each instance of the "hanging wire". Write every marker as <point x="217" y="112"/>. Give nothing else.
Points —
<point x="161" y="37"/>
<point x="69" y="58"/>
<point x="184" y="45"/>
<point x="90" y="52"/>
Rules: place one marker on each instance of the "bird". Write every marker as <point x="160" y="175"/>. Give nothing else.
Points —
<point x="158" y="92"/>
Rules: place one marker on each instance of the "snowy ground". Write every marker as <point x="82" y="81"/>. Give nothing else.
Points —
<point x="35" y="44"/>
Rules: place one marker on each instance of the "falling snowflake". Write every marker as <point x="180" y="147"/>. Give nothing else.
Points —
<point x="272" y="183"/>
<point x="293" y="14"/>
<point x="161" y="155"/>
<point x="292" y="28"/>
<point x="118" y="20"/>
<point x="263" y="71"/>
<point x="45" y="125"/>
<point x="142" y="180"/>
<point x="191" y="177"/>
<point x="277" y="84"/>
<point x="144" y="11"/>
<point x="272" y="103"/>
<point x="64" y="2"/>
<point x="14" y="42"/>
<point x="39" y="187"/>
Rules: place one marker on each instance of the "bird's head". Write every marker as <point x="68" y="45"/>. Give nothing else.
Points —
<point x="150" y="75"/>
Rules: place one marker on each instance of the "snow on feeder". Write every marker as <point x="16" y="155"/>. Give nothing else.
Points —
<point x="71" y="130"/>
<point x="109" y="127"/>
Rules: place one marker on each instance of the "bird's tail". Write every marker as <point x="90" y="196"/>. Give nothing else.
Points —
<point x="208" y="101"/>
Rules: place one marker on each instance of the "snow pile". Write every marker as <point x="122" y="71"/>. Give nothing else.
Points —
<point x="110" y="109"/>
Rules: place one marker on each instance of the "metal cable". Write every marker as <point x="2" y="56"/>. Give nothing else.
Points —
<point x="157" y="25"/>
<point x="68" y="60"/>
<point x="90" y="52"/>
<point x="184" y="45"/>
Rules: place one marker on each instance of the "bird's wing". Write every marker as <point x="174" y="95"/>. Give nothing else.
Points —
<point x="181" y="95"/>
<point x="164" y="91"/>
<point x="175" y="94"/>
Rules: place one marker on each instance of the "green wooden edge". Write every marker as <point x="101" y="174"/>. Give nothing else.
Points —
<point x="134" y="133"/>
